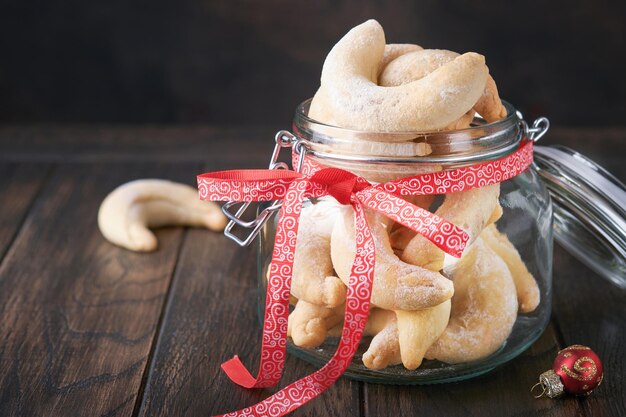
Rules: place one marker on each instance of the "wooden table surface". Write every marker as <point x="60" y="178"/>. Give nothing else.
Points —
<point x="88" y="329"/>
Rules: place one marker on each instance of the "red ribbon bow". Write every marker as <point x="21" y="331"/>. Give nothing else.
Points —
<point x="293" y="188"/>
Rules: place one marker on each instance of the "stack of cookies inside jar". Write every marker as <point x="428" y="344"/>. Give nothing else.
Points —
<point x="425" y="304"/>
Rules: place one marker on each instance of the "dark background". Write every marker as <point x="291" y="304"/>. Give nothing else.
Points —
<point x="251" y="62"/>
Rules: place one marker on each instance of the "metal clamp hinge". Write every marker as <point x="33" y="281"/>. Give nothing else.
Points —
<point x="539" y="128"/>
<point x="283" y="139"/>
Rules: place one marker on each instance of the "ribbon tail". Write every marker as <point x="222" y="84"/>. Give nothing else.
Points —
<point x="277" y="298"/>
<point x="446" y="236"/>
<point x="237" y="372"/>
<point x="357" y="310"/>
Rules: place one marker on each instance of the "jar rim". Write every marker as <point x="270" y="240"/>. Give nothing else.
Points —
<point x="480" y="141"/>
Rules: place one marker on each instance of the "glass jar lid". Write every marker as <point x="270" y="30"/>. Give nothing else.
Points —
<point x="589" y="210"/>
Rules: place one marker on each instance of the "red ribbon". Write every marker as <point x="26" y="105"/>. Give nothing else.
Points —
<point x="317" y="181"/>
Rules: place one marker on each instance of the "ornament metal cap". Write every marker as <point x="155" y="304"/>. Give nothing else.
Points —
<point x="550" y="383"/>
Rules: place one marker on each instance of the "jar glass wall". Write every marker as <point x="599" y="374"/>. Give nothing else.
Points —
<point x="526" y="221"/>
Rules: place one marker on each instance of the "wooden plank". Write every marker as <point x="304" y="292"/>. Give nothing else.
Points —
<point x="243" y="147"/>
<point x="19" y="184"/>
<point x="78" y="314"/>
<point x="211" y="316"/>
<point x="502" y="392"/>
<point x="247" y="146"/>
<point x="590" y="311"/>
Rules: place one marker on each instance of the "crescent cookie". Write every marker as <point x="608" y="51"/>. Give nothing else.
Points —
<point x="384" y="349"/>
<point x="418" y="330"/>
<point x="313" y="279"/>
<point x="354" y="99"/>
<point x="418" y="64"/>
<point x="394" y="50"/>
<point x="484" y="308"/>
<point x="527" y="290"/>
<point x="471" y="210"/>
<point x="309" y="323"/>
<point x="397" y="285"/>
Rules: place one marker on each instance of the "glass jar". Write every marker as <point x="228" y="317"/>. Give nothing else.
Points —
<point x="380" y="157"/>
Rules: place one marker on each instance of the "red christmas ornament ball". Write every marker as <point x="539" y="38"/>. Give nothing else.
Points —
<point x="579" y="368"/>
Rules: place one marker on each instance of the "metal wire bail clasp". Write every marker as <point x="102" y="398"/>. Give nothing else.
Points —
<point x="283" y="139"/>
<point x="540" y="127"/>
